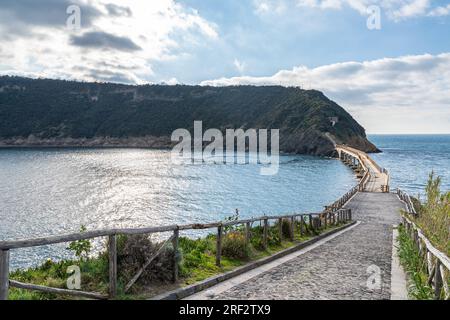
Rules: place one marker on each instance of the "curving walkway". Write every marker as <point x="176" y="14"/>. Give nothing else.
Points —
<point x="353" y="265"/>
<point x="338" y="269"/>
<point x="378" y="176"/>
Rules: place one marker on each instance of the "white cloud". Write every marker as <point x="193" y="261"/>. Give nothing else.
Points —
<point x="394" y="9"/>
<point x="240" y="66"/>
<point x="412" y="8"/>
<point x="120" y="43"/>
<point x="404" y="94"/>
<point x="440" y="11"/>
<point x="263" y="7"/>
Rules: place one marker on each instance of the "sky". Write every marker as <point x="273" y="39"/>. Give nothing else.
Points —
<point x="393" y="77"/>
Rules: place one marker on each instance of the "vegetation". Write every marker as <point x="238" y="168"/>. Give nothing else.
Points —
<point x="434" y="220"/>
<point x="414" y="266"/>
<point x="434" y="214"/>
<point x="81" y="248"/>
<point x="197" y="262"/>
<point x="55" y="109"/>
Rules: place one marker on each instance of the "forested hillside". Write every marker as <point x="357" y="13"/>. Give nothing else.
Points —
<point x="56" y="112"/>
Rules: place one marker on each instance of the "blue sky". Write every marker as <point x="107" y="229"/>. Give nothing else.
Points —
<point x="313" y="37"/>
<point x="392" y="80"/>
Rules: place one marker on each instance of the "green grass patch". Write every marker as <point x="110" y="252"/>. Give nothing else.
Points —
<point x="414" y="265"/>
<point x="197" y="261"/>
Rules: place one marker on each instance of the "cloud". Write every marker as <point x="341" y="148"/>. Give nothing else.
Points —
<point x="440" y="11"/>
<point x="26" y="14"/>
<point x="394" y="9"/>
<point x="99" y="39"/>
<point x="240" y="66"/>
<point x="118" y="11"/>
<point x="412" y="88"/>
<point x="412" y="8"/>
<point x="119" y="40"/>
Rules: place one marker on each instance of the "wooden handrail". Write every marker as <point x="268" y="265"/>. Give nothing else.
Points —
<point x="6" y="246"/>
<point x="435" y="269"/>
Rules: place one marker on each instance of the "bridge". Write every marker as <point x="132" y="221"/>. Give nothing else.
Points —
<point x="378" y="178"/>
<point x="356" y="263"/>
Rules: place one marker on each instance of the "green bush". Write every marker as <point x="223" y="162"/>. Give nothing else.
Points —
<point x="196" y="253"/>
<point x="234" y="246"/>
<point x="81" y="248"/>
<point x="434" y="214"/>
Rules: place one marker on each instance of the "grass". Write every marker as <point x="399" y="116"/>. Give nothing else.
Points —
<point x="414" y="265"/>
<point x="197" y="261"/>
<point x="434" y="220"/>
<point x="434" y="214"/>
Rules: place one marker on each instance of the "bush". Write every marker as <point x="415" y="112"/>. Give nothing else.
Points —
<point x="286" y="228"/>
<point x="195" y="253"/>
<point x="434" y="215"/>
<point x="81" y="248"/>
<point x="135" y="250"/>
<point x="234" y="246"/>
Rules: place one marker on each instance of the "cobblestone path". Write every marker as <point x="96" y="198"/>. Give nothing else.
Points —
<point x="339" y="268"/>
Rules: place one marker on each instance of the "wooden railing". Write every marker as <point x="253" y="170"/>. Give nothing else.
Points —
<point x="407" y="200"/>
<point x="437" y="263"/>
<point x="315" y="221"/>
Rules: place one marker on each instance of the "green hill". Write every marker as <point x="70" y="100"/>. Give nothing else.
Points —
<point x="67" y="113"/>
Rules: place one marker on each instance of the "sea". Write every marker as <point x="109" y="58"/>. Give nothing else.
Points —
<point x="51" y="191"/>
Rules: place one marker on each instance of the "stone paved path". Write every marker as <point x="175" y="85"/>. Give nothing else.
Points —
<point x="337" y="269"/>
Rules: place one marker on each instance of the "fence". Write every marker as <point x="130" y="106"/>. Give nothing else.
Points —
<point x="315" y="221"/>
<point x="407" y="200"/>
<point x="437" y="263"/>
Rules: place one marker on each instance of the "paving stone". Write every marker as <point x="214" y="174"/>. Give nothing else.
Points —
<point x="337" y="269"/>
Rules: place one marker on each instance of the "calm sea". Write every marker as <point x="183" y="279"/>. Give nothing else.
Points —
<point x="411" y="158"/>
<point x="54" y="191"/>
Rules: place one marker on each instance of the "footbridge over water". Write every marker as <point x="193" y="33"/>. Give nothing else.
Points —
<point x="376" y="177"/>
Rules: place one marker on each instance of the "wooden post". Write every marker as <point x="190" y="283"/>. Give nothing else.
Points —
<point x="176" y="235"/>
<point x="437" y="280"/>
<point x="280" y="229"/>
<point x="292" y="228"/>
<point x="4" y="274"/>
<point x="301" y="225"/>
<point x="247" y="233"/>
<point x="310" y="222"/>
<point x="325" y="219"/>
<point x="265" y="233"/>
<point x="219" y="245"/>
<point x="112" y="253"/>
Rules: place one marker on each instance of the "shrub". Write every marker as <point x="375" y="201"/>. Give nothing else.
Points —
<point x="135" y="250"/>
<point x="434" y="214"/>
<point x="81" y="248"/>
<point x="235" y="246"/>
<point x="195" y="253"/>
<point x="286" y="228"/>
